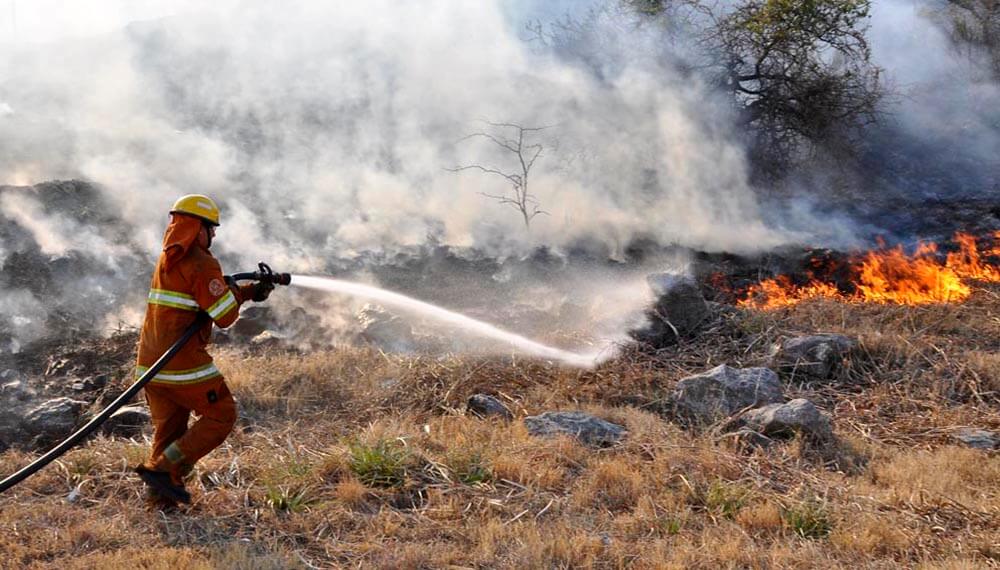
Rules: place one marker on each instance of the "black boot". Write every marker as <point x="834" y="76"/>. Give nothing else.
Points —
<point x="162" y="483"/>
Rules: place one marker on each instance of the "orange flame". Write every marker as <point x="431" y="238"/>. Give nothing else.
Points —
<point x="894" y="277"/>
<point x="891" y="276"/>
<point x="967" y="263"/>
<point x="780" y="292"/>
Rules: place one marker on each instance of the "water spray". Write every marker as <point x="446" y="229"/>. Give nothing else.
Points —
<point x="265" y="274"/>
<point x="477" y="327"/>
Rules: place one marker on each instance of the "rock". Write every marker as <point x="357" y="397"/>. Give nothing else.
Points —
<point x="747" y="438"/>
<point x="253" y="321"/>
<point x="978" y="438"/>
<point x="53" y="419"/>
<point x="10" y="426"/>
<point x="818" y="356"/>
<point x="382" y="328"/>
<point x="96" y="382"/>
<point x="268" y="339"/>
<point x="16" y="391"/>
<point x="129" y="421"/>
<point x="787" y="420"/>
<point x="484" y="405"/>
<point x="679" y="310"/>
<point x="722" y="391"/>
<point x="585" y="427"/>
<point x="88" y="384"/>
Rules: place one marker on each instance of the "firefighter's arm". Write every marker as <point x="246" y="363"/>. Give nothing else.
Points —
<point x="215" y="296"/>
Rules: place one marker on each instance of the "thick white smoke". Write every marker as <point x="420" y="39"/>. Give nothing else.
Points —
<point x="335" y="125"/>
<point x="328" y="130"/>
<point x="945" y="96"/>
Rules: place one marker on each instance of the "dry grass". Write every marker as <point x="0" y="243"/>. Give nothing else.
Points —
<point x="287" y="491"/>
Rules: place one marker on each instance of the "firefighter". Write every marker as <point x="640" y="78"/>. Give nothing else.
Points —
<point x="187" y="279"/>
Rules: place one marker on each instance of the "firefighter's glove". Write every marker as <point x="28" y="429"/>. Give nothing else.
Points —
<point x="261" y="291"/>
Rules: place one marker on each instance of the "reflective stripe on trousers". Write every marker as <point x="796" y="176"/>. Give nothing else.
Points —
<point x="190" y="376"/>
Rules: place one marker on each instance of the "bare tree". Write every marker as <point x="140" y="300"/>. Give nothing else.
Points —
<point x="526" y="154"/>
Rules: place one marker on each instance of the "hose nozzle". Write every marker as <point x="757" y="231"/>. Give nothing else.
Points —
<point x="268" y="275"/>
<point x="264" y="274"/>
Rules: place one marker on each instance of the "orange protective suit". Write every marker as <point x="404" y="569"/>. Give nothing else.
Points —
<point x="187" y="279"/>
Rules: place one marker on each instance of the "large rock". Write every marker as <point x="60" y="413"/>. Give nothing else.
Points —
<point x="129" y="421"/>
<point x="679" y="311"/>
<point x="818" y="357"/>
<point x="53" y="419"/>
<point x="253" y="320"/>
<point x="587" y="428"/>
<point x="978" y="438"/>
<point x="15" y="391"/>
<point x="799" y="416"/>
<point x="10" y="427"/>
<point x="484" y="405"/>
<point x="383" y="329"/>
<point x="722" y="391"/>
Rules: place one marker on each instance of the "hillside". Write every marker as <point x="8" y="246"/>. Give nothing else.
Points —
<point x="357" y="458"/>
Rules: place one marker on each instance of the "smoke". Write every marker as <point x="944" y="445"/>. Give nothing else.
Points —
<point x="941" y="138"/>
<point x="56" y="234"/>
<point x="330" y="131"/>
<point x="335" y="126"/>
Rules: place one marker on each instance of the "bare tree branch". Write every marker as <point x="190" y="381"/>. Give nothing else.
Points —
<point x="519" y="198"/>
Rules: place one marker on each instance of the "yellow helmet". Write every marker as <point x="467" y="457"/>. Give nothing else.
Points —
<point x="199" y="206"/>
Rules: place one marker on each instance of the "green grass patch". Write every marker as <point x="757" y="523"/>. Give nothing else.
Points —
<point x="470" y="468"/>
<point x="286" y="498"/>
<point x="382" y="464"/>
<point x="726" y="499"/>
<point x="809" y="519"/>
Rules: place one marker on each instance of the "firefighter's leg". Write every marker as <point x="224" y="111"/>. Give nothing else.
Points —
<point x="164" y="480"/>
<point x="170" y="419"/>
<point x="216" y="407"/>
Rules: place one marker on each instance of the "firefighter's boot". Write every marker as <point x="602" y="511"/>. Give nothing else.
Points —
<point x="166" y="477"/>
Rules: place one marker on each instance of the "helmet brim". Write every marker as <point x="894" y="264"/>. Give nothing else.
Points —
<point x="202" y="218"/>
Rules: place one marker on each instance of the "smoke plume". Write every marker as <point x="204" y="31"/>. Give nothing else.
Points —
<point x="329" y="132"/>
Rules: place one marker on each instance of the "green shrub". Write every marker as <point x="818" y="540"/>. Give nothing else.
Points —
<point x="382" y="464"/>
<point x="470" y="468"/>
<point x="725" y="499"/>
<point x="285" y="499"/>
<point x="809" y="519"/>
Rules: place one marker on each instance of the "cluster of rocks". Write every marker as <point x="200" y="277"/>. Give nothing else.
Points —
<point x="750" y="402"/>
<point x="262" y="327"/>
<point x="747" y="403"/>
<point x="52" y="389"/>
<point x="26" y="420"/>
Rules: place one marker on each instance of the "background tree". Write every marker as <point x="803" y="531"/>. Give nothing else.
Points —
<point x="974" y="27"/>
<point x="799" y="71"/>
<point x="525" y="154"/>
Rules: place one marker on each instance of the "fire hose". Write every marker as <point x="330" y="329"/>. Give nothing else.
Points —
<point x="263" y="274"/>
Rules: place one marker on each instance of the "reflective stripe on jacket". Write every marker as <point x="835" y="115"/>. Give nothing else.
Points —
<point x="192" y="283"/>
